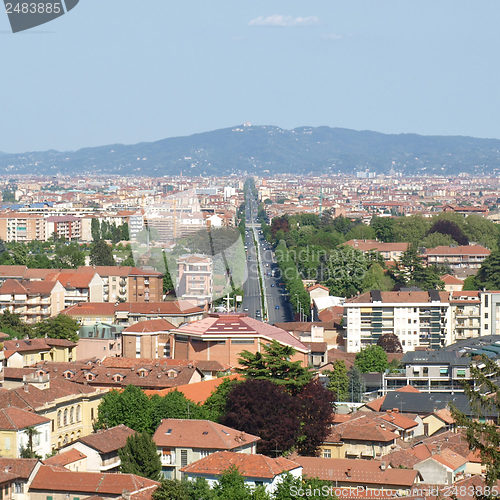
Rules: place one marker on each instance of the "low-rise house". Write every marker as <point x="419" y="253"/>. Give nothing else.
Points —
<point x="359" y="437"/>
<point x="181" y="442"/>
<point x="445" y="467"/>
<point x="389" y="251"/>
<point x="371" y="475"/>
<point x="18" y="427"/>
<point x="101" y="448"/>
<point x="256" y="469"/>
<point x="469" y="257"/>
<point x="26" y="352"/>
<point x="60" y="484"/>
<point x="71" y="459"/>
<point x="23" y="470"/>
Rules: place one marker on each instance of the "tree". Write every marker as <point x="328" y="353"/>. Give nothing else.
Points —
<point x="316" y="412"/>
<point x="484" y="396"/>
<point x="101" y="254"/>
<point x="174" y="405"/>
<point x="356" y="385"/>
<point x="95" y="229"/>
<point x="12" y="325"/>
<point x="275" y="364"/>
<point x="433" y="240"/>
<point x="389" y="343"/>
<point x="377" y="279"/>
<point x="28" y="451"/>
<point x="371" y="359"/>
<point x="267" y="410"/>
<point x="488" y="276"/>
<point x="410" y="271"/>
<point x="68" y="256"/>
<point x="129" y="261"/>
<point x="58" y="327"/>
<point x="231" y="484"/>
<point x="338" y="381"/>
<point x="450" y="228"/>
<point x="361" y="232"/>
<point x="130" y="407"/>
<point x="384" y="228"/>
<point x="139" y="456"/>
<point x="470" y="284"/>
<point x="215" y="404"/>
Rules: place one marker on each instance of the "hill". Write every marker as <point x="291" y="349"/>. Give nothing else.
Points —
<point x="267" y="149"/>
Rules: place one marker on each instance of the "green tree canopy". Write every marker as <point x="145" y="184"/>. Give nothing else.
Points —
<point x="488" y="276"/>
<point x="58" y="327"/>
<point x="356" y="385"/>
<point x="101" y="254"/>
<point x="139" y="456"/>
<point x="215" y="405"/>
<point x="338" y="381"/>
<point x="371" y="359"/>
<point x="275" y="364"/>
<point x="69" y="256"/>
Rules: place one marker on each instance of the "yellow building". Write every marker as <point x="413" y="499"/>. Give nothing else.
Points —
<point x="71" y="408"/>
<point x="27" y="352"/>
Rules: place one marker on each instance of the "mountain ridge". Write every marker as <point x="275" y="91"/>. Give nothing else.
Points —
<point x="264" y="149"/>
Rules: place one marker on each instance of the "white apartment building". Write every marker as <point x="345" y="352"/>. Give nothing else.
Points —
<point x="418" y="319"/>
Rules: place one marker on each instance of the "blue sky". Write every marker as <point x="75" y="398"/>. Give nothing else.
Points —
<point x="138" y="70"/>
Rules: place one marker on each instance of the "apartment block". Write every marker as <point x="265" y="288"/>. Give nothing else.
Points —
<point x="418" y="319"/>
<point x="457" y="257"/>
<point x="429" y="371"/>
<point x="195" y="278"/>
<point x="22" y="227"/>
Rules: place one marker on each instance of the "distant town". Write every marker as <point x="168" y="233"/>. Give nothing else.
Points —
<point x="249" y="337"/>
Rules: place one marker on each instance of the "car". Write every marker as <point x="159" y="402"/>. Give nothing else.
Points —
<point x="272" y="284"/>
<point x="245" y="309"/>
<point x="276" y="307"/>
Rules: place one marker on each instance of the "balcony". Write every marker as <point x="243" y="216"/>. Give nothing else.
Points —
<point x="167" y="459"/>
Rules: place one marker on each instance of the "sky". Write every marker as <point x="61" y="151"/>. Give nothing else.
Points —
<point x="127" y="71"/>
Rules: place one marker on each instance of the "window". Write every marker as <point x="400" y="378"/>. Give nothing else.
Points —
<point x="426" y="370"/>
<point x="92" y="414"/>
<point x="78" y="414"/>
<point x="65" y="418"/>
<point x="486" y="315"/>
<point x="72" y="415"/>
<point x="18" y="488"/>
<point x="327" y="453"/>
<point x="7" y="443"/>
<point x="204" y="453"/>
<point x="184" y="458"/>
<point x="59" y="418"/>
<point x="50" y="497"/>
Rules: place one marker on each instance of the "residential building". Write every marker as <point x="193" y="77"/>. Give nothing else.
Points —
<point x="257" y="470"/>
<point x="20" y="353"/>
<point x="195" y="278"/>
<point x="101" y="448"/>
<point x="124" y="314"/>
<point x="23" y="470"/>
<point x="388" y="251"/>
<point x="445" y="467"/>
<point x="56" y="483"/>
<point x="33" y="301"/>
<point x="465" y="315"/>
<point x="222" y="337"/>
<point x="429" y="371"/>
<point x="71" y="408"/>
<point x="147" y="339"/>
<point x="16" y="425"/>
<point x="457" y="257"/>
<point x="129" y="284"/>
<point x="67" y="227"/>
<point x="490" y="312"/>
<point x="71" y="459"/>
<point x="99" y="340"/>
<point x="181" y="442"/>
<point x="418" y="319"/>
<point x="22" y="227"/>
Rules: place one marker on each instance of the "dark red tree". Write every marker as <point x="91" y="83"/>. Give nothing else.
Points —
<point x="267" y="410"/>
<point x="389" y="343"/>
<point x="316" y="414"/>
<point x="280" y="224"/>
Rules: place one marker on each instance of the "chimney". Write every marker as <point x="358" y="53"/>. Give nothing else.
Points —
<point x="388" y="411"/>
<point x="395" y="410"/>
<point x="383" y="466"/>
<point x="25" y="387"/>
<point x="348" y="472"/>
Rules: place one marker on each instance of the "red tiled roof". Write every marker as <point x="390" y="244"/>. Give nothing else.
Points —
<point x="149" y="326"/>
<point x="174" y="432"/>
<point x="450" y="459"/>
<point x="108" y="440"/>
<point x="12" y="418"/>
<point x="65" y="457"/>
<point x="55" y="479"/>
<point x="400" y="421"/>
<point x="448" y="279"/>
<point x="258" y="466"/>
<point x="458" y="250"/>
<point x="198" y="392"/>
<point x="356" y="471"/>
<point x="20" y="467"/>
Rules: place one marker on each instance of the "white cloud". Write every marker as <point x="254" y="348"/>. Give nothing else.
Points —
<point x="283" y="21"/>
